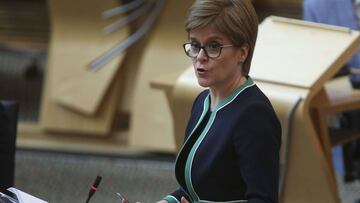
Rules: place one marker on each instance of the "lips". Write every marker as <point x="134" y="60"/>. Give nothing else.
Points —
<point x="200" y="70"/>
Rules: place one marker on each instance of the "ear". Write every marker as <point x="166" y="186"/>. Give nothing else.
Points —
<point x="243" y="52"/>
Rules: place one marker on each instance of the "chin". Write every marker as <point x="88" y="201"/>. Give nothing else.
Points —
<point x="204" y="83"/>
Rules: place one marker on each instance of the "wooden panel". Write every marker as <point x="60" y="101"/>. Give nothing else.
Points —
<point x="340" y="96"/>
<point x="308" y="175"/>
<point x="76" y="40"/>
<point x="151" y="121"/>
<point x="299" y="53"/>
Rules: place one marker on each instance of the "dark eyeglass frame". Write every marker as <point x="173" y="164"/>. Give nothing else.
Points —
<point x="204" y="48"/>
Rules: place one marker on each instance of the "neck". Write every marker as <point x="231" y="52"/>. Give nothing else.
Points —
<point x="219" y="93"/>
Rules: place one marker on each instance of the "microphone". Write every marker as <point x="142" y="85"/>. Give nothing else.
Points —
<point x="93" y="188"/>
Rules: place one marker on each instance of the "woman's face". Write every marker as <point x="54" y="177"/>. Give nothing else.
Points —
<point x="222" y="70"/>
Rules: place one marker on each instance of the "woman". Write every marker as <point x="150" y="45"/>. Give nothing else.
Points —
<point x="232" y="141"/>
<point x="231" y="152"/>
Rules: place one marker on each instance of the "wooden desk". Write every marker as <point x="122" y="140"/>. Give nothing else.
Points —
<point x="336" y="96"/>
<point x="166" y="83"/>
<point x="180" y="90"/>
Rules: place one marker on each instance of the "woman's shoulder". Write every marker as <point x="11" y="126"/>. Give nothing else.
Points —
<point x="254" y="102"/>
<point x="253" y="95"/>
<point x="254" y="109"/>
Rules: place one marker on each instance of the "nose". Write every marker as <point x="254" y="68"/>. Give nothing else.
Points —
<point x="202" y="55"/>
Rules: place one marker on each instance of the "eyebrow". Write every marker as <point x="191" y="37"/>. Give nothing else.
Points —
<point x="214" y="38"/>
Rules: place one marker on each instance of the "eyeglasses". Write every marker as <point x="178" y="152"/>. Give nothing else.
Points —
<point x="212" y="50"/>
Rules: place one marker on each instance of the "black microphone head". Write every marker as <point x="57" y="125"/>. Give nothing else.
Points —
<point x="97" y="181"/>
<point x="93" y="188"/>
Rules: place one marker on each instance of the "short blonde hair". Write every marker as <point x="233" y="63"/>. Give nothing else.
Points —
<point x="236" y="19"/>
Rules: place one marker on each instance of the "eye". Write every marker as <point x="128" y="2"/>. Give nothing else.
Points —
<point x="213" y="46"/>
<point x="195" y="45"/>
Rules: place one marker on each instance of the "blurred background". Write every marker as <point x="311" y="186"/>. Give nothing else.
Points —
<point x="86" y="86"/>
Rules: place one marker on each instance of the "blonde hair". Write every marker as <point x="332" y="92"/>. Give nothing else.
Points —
<point x="236" y="19"/>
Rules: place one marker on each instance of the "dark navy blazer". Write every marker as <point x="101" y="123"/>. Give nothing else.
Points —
<point x="234" y="157"/>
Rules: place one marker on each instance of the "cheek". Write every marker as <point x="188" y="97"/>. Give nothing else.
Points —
<point x="221" y="65"/>
<point x="227" y="66"/>
<point x="193" y="61"/>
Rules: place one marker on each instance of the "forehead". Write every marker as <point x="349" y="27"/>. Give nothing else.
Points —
<point x="207" y="33"/>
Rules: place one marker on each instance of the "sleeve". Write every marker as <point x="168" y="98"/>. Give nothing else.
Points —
<point x="309" y="13"/>
<point x="257" y="144"/>
<point x="175" y="197"/>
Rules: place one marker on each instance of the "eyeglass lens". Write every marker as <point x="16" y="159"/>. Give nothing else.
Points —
<point x="211" y="50"/>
